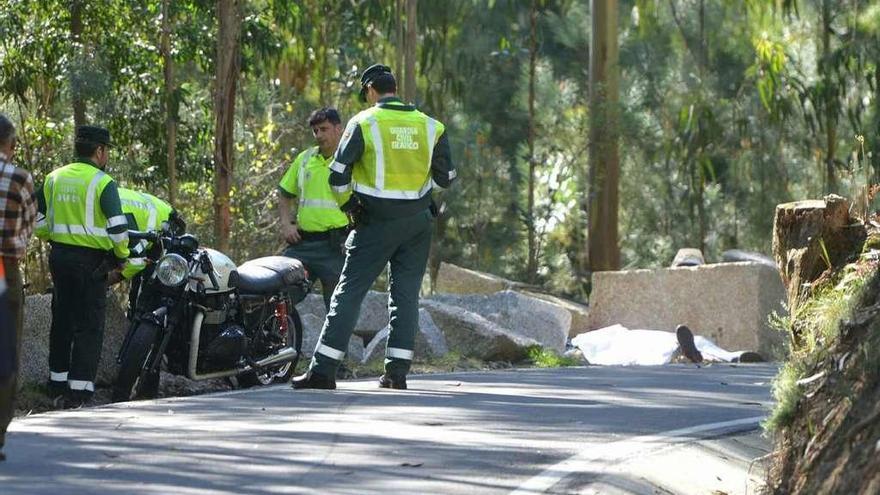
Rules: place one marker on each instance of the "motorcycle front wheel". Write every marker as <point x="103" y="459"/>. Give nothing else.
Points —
<point x="133" y="380"/>
<point x="280" y="373"/>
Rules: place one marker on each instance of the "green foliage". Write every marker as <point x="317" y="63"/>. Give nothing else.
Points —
<point x="546" y="358"/>
<point x="814" y="329"/>
<point x="723" y="115"/>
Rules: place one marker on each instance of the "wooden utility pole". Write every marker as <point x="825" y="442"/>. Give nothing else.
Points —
<point x="76" y="29"/>
<point x="532" y="264"/>
<point x="170" y="103"/>
<point x="409" y="54"/>
<point x="830" y="99"/>
<point x="604" y="251"/>
<point x="228" y="68"/>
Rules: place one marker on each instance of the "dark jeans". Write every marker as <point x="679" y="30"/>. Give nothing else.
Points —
<point x="79" y="306"/>
<point x="8" y="385"/>
<point x="323" y="259"/>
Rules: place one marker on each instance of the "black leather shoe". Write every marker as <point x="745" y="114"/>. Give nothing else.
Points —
<point x="2" y="457"/>
<point x="389" y="381"/>
<point x="76" y="399"/>
<point x="313" y="380"/>
<point x="55" y="389"/>
<point x="686" y="342"/>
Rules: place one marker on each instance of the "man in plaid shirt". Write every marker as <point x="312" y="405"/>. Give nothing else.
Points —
<point x="18" y="210"/>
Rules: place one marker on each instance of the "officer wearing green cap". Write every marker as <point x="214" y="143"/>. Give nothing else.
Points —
<point x="317" y="234"/>
<point x="79" y="213"/>
<point x="387" y="163"/>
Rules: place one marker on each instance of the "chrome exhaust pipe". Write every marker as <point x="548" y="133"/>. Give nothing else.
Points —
<point x="286" y="354"/>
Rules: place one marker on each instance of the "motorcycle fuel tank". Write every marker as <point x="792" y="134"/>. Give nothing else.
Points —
<point x="223" y="267"/>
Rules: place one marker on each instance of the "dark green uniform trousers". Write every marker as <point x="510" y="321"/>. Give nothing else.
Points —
<point x="405" y="243"/>
<point x="323" y="259"/>
<point x="8" y="384"/>
<point x="79" y="303"/>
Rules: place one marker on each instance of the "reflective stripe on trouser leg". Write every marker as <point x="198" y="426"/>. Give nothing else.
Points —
<point x="81" y="385"/>
<point x="396" y="353"/>
<point x="367" y="251"/>
<point x="58" y="376"/>
<point x="407" y="270"/>
<point x="326" y="350"/>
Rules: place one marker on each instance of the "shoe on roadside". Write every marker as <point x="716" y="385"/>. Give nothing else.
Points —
<point x="312" y="380"/>
<point x="749" y="357"/>
<point x="55" y="389"/>
<point x="686" y="343"/>
<point x="391" y="381"/>
<point x="76" y="399"/>
<point x="2" y="456"/>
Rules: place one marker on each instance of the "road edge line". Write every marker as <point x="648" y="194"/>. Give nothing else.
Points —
<point x="578" y="462"/>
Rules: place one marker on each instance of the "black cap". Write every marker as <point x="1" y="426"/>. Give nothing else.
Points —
<point x="372" y="73"/>
<point x="93" y="134"/>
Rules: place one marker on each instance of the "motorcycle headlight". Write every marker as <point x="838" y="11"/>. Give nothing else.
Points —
<point x="172" y="270"/>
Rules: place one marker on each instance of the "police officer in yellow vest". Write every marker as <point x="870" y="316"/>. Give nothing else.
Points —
<point x="317" y="234"/>
<point x="79" y="213"/>
<point x="390" y="157"/>
<point x="144" y="212"/>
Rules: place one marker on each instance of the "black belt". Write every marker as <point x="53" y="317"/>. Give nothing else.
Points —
<point x="322" y="236"/>
<point x="85" y="251"/>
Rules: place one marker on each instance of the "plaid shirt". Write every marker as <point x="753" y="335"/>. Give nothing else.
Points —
<point x="18" y="209"/>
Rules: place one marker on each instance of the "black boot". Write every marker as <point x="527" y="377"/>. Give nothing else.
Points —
<point x="391" y="381"/>
<point x="76" y="399"/>
<point x="310" y="379"/>
<point x="686" y="342"/>
<point x="55" y="389"/>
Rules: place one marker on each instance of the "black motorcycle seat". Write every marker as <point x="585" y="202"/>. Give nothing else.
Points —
<point x="267" y="275"/>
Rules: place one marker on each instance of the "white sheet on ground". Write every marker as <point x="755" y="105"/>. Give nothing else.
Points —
<point x="618" y="345"/>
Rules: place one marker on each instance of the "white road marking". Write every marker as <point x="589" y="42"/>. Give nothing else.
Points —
<point x="594" y="458"/>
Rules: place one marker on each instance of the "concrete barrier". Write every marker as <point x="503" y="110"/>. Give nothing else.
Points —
<point x="728" y="303"/>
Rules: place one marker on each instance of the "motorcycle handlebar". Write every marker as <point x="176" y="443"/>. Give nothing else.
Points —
<point x="147" y="235"/>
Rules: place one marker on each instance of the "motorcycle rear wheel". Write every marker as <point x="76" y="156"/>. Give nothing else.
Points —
<point x="283" y="372"/>
<point x="132" y="380"/>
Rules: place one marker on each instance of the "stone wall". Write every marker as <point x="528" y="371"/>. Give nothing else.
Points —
<point x="728" y="303"/>
<point x="34" y="367"/>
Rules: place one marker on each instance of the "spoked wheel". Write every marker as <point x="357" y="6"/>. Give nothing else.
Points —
<point x="280" y="373"/>
<point x="133" y="380"/>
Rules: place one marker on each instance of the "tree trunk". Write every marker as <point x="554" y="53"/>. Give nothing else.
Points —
<point x="228" y="66"/>
<point x="400" y="41"/>
<point x="409" y="86"/>
<point x="830" y="100"/>
<point x="76" y="29"/>
<point x="604" y="251"/>
<point x="810" y="238"/>
<point x="532" y="265"/>
<point x="170" y="103"/>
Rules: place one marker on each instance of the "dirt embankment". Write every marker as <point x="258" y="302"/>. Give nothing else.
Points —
<point x="827" y="418"/>
<point x="832" y="444"/>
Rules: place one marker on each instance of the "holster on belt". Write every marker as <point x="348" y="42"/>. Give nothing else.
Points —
<point x="109" y="263"/>
<point x="355" y="211"/>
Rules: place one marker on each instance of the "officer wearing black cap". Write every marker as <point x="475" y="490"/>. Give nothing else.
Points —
<point x="80" y="214"/>
<point x="388" y="161"/>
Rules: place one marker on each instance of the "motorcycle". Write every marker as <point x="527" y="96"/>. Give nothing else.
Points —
<point x="204" y="317"/>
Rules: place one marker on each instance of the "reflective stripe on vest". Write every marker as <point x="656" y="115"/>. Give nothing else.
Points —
<point x="393" y="157"/>
<point x="80" y="226"/>
<point x="303" y="164"/>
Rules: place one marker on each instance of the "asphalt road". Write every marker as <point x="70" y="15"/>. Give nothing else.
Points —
<point x="521" y="431"/>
